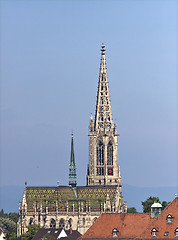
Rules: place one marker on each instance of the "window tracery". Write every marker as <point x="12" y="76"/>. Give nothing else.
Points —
<point x="100" y="153"/>
<point x="52" y="223"/>
<point x="110" y="154"/>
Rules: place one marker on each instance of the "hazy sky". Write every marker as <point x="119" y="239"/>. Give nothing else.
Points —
<point x="50" y="57"/>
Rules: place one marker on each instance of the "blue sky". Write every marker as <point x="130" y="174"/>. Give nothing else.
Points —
<point x="50" y="56"/>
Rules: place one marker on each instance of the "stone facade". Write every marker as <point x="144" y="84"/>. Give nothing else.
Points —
<point x="103" y="146"/>
<point x="74" y="206"/>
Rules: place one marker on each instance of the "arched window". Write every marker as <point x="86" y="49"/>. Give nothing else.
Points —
<point x="100" y="153"/>
<point x="70" y="222"/>
<point x="176" y="232"/>
<point x="109" y="154"/>
<point x="31" y="221"/>
<point x="62" y="223"/>
<point x="52" y="223"/>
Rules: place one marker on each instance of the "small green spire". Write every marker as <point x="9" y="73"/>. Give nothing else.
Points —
<point x="72" y="168"/>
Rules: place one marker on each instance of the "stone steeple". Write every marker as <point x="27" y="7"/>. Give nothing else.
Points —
<point x="103" y="114"/>
<point x="72" y="167"/>
<point x="103" y="146"/>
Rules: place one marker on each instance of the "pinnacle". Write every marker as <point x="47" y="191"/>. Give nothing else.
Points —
<point x="102" y="49"/>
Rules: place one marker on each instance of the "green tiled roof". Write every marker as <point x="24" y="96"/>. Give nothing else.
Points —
<point x="48" y="196"/>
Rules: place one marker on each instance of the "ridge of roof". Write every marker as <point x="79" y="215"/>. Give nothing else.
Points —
<point x="65" y="186"/>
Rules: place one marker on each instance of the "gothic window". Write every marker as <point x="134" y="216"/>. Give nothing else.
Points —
<point x="100" y="153"/>
<point x="31" y="221"/>
<point x="84" y="221"/>
<point x="62" y="223"/>
<point x="70" y="222"/>
<point x="109" y="154"/>
<point x="52" y="223"/>
<point x="100" y="171"/>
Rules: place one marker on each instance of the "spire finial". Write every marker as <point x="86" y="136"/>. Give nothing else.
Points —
<point x="102" y="49"/>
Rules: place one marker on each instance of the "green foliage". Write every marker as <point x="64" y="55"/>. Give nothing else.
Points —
<point x="8" y="224"/>
<point x="32" y="230"/>
<point x="132" y="210"/>
<point x="164" y="204"/>
<point x="13" y="216"/>
<point x="149" y="201"/>
<point x="13" y="236"/>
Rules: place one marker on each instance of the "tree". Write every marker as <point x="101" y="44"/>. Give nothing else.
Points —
<point x="164" y="204"/>
<point x="132" y="210"/>
<point x="32" y="230"/>
<point x="12" y="236"/>
<point x="8" y="224"/>
<point x="148" y="202"/>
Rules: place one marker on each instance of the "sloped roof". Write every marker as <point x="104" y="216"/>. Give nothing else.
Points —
<point x="135" y="225"/>
<point x="129" y="225"/>
<point x="156" y="205"/>
<point x="48" y="196"/>
<point x="161" y="225"/>
<point x="55" y="232"/>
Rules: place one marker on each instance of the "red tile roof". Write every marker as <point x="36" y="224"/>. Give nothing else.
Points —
<point x="130" y="225"/>
<point x="135" y="225"/>
<point x="161" y="225"/>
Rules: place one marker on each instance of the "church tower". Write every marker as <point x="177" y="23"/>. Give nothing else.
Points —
<point x="103" y="168"/>
<point x="72" y="168"/>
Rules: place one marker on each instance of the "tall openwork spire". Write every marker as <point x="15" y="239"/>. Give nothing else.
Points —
<point x="103" y="167"/>
<point x="72" y="168"/>
<point x="103" y="114"/>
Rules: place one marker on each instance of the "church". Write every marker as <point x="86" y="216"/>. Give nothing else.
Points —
<point x="77" y="207"/>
